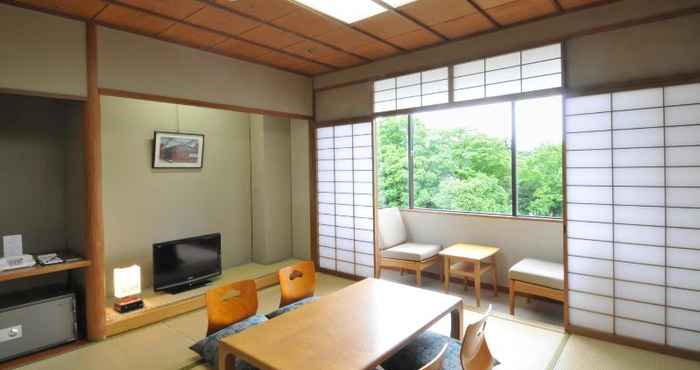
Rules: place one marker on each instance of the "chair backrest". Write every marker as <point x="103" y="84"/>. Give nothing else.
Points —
<point x="230" y="304"/>
<point x="297" y="282"/>
<point x="475" y="353"/>
<point x="436" y="363"/>
<point x="392" y="230"/>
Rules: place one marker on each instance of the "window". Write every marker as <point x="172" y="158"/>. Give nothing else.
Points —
<point x="521" y="71"/>
<point x="412" y="90"/>
<point x="513" y="73"/>
<point x="462" y="159"/>
<point x="500" y="158"/>
<point x="538" y="123"/>
<point x="392" y="151"/>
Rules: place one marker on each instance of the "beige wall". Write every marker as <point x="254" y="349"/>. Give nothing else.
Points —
<point x="141" y="64"/>
<point x="143" y="206"/>
<point x="654" y="50"/>
<point x="301" y="209"/>
<point x="272" y="205"/>
<point x="36" y="160"/>
<point x="344" y="102"/>
<point x="517" y="239"/>
<point x="41" y="52"/>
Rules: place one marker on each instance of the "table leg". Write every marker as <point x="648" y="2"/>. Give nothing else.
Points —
<point x="494" y="273"/>
<point x="457" y="316"/>
<point x="446" y="273"/>
<point x="477" y="282"/>
<point x="227" y="361"/>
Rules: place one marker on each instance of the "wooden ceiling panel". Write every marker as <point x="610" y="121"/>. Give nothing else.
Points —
<point x="346" y="37"/>
<point x="416" y="39"/>
<point x="238" y="48"/>
<point x="262" y="9"/>
<point x="307" y="23"/>
<point x="133" y="20"/>
<point x="292" y="37"/>
<point x="280" y="59"/>
<point x="179" y="9"/>
<point x="193" y="36"/>
<point x="222" y="20"/>
<point x="573" y="4"/>
<point x="387" y="25"/>
<point x="467" y="25"/>
<point x="433" y="12"/>
<point x="374" y="50"/>
<point x="309" y="68"/>
<point x="309" y="49"/>
<point x="485" y="4"/>
<point x="271" y="36"/>
<point x="82" y="9"/>
<point x="339" y="59"/>
<point x="518" y="10"/>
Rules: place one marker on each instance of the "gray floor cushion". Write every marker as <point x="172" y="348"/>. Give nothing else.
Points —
<point x="208" y="347"/>
<point x="423" y="350"/>
<point x="291" y="307"/>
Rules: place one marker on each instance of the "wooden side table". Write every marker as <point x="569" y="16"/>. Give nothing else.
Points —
<point x="470" y="265"/>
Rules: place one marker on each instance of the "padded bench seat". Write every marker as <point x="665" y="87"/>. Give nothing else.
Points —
<point x="545" y="273"/>
<point x="536" y="277"/>
<point x="412" y="251"/>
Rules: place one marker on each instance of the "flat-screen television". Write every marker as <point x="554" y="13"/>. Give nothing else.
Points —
<point x="184" y="264"/>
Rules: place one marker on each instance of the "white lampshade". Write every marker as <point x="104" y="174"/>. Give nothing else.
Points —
<point x="127" y="281"/>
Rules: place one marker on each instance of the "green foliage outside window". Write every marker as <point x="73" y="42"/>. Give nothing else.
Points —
<point x="462" y="170"/>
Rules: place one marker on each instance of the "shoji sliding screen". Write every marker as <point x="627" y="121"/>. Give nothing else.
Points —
<point x="344" y="170"/>
<point x="633" y="214"/>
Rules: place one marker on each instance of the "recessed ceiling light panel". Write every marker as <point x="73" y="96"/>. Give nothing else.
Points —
<point x="348" y="11"/>
<point x="398" y="3"/>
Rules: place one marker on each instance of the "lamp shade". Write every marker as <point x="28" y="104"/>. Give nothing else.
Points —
<point x="127" y="281"/>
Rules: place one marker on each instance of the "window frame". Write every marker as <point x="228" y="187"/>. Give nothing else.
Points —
<point x="512" y="100"/>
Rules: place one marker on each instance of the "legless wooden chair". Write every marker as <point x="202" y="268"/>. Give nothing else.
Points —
<point x="471" y="354"/>
<point x="230" y="304"/>
<point x="297" y="282"/>
<point x="475" y="353"/>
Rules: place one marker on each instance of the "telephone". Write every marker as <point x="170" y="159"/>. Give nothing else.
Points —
<point x="10" y="263"/>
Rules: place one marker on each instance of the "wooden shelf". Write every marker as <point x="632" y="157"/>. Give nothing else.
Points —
<point x="42" y="270"/>
<point x="161" y="306"/>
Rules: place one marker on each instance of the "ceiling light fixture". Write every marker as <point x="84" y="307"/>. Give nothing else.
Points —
<point x="350" y="11"/>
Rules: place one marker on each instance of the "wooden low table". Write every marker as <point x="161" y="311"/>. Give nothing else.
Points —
<point x="355" y="328"/>
<point x="470" y="265"/>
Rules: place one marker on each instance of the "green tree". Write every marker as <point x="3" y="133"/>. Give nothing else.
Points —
<point x="540" y="181"/>
<point x="393" y="161"/>
<point x="458" y="169"/>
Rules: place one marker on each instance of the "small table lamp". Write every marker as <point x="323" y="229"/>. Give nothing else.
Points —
<point x="127" y="284"/>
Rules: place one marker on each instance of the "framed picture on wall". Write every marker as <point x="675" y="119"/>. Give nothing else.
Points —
<point x="175" y="150"/>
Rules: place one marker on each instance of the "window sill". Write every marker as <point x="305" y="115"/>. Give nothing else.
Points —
<point x="484" y="215"/>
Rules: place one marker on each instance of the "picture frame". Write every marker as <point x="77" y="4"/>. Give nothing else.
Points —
<point x="177" y="150"/>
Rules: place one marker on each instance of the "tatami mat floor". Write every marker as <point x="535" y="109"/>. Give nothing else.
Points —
<point x="521" y="343"/>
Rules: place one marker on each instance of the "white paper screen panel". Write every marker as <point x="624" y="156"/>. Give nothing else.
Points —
<point x="633" y="213"/>
<point x="412" y="90"/>
<point x="344" y="167"/>
<point x="527" y="70"/>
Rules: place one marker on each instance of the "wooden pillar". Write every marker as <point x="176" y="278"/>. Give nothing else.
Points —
<point x="95" y="274"/>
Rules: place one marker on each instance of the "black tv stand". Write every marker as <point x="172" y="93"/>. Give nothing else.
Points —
<point x="186" y="287"/>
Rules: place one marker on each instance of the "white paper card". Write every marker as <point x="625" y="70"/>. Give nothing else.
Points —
<point x="12" y="245"/>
